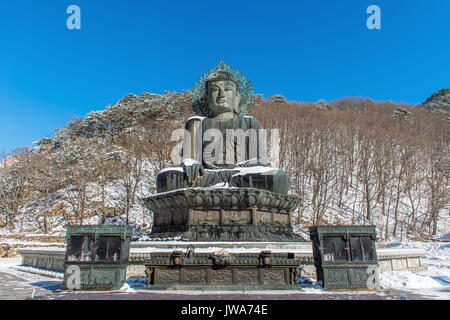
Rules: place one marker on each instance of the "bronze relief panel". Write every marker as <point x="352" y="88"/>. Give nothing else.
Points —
<point x="236" y="217"/>
<point x="206" y="217"/>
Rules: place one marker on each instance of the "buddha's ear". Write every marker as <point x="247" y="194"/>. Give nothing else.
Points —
<point x="237" y="100"/>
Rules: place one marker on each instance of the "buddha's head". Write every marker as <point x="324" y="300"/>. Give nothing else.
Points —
<point x="222" y="93"/>
<point x="221" y="90"/>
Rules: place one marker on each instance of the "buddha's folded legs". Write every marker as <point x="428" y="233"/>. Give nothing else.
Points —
<point x="170" y="179"/>
<point x="273" y="180"/>
<point x="175" y="178"/>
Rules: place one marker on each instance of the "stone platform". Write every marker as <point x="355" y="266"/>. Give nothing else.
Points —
<point x="263" y="245"/>
<point x="241" y="255"/>
<point x="51" y="258"/>
<point x="220" y="270"/>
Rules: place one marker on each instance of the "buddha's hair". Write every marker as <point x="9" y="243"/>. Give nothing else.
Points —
<point x="222" y="75"/>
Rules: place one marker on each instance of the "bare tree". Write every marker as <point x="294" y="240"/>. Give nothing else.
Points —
<point x="13" y="187"/>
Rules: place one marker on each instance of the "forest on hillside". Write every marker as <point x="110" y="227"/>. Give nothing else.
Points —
<point x="351" y="161"/>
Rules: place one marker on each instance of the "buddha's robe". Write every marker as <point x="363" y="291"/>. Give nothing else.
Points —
<point x="232" y="152"/>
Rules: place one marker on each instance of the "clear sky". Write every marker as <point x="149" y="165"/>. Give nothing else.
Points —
<point x="304" y="49"/>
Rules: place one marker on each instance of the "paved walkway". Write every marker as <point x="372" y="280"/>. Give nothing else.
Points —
<point x="13" y="287"/>
<point x="213" y="297"/>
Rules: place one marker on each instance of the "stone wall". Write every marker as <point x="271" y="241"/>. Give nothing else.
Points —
<point x="401" y="259"/>
<point x="43" y="258"/>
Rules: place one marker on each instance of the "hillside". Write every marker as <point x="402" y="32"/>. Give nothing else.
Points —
<point x="352" y="161"/>
<point x="439" y="101"/>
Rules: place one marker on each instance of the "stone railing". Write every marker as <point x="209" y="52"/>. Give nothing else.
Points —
<point x="48" y="258"/>
<point x="388" y="259"/>
<point x="401" y="259"/>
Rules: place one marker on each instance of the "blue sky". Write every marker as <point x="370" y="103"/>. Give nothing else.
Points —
<point x="305" y="49"/>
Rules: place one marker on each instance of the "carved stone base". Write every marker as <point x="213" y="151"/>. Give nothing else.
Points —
<point x="222" y="214"/>
<point x="221" y="198"/>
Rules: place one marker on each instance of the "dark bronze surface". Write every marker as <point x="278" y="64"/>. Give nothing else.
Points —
<point x="264" y="270"/>
<point x="101" y="254"/>
<point x="345" y="257"/>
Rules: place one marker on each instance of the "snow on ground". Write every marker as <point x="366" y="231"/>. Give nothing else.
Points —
<point x="42" y="272"/>
<point x="433" y="283"/>
<point x="445" y="237"/>
<point x="219" y="249"/>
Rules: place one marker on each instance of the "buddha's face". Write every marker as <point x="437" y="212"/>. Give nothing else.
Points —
<point x="223" y="96"/>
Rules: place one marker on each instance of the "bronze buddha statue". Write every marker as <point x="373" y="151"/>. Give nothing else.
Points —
<point x="222" y="147"/>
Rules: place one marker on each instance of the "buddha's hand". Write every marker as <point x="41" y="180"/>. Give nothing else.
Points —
<point x="253" y="162"/>
<point x="192" y="171"/>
